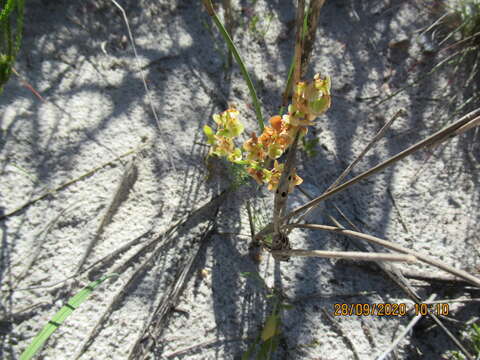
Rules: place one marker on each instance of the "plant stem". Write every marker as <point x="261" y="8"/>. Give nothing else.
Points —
<point x="351" y="255"/>
<point x="442" y="135"/>
<point x="390" y="245"/>
<point x="258" y="112"/>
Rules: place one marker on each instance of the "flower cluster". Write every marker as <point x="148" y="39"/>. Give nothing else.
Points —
<point x="309" y="101"/>
<point x="222" y="142"/>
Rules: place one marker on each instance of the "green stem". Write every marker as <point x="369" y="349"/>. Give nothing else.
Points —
<point x="208" y="5"/>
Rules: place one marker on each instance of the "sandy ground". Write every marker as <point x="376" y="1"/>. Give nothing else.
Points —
<point x="144" y="177"/>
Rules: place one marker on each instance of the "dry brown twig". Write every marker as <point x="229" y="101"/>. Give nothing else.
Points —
<point x="399" y="279"/>
<point x="404" y="333"/>
<point x="442" y="135"/>
<point x="352" y="255"/>
<point x="150" y="252"/>
<point x="467" y="122"/>
<point x="154" y="326"/>
<point x="390" y="245"/>
<point x="350" y="167"/>
<point x="309" y="39"/>
<point x="279" y="240"/>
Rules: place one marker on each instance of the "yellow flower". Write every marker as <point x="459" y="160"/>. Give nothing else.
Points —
<point x="223" y="146"/>
<point x="310" y="100"/>
<point x="228" y="123"/>
<point x="297" y="180"/>
<point x="318" y="95"/>
<point x="275" y="151"/>
<point x="235" y="156"/>
<point x="275" y="177"/>
<point x="276" y="173"/>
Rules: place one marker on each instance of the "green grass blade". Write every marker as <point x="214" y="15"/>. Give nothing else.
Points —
<point x="60" y="317"/>
<point x="7" y="10"/>
<point x="243" y="69"/>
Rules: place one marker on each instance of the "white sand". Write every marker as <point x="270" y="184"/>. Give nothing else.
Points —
<point x="77" y="56"/>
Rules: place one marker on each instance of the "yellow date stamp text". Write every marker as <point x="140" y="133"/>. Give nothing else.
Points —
<point x="388" y="309"/>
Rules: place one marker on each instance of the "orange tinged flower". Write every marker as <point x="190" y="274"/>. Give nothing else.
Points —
<point x="284" y="140"/>
<point x="260" y="175"/>
<point x="267" y="137"/>
<point x="276" y="122"/>
<point x="256" y="174"/>
<point x="251" y="143"/>
<point x="224" y="146"/>
<point x="254" y="148"/>
<point x="276" y="174"/>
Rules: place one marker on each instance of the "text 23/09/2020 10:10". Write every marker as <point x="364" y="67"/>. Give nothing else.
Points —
<point x="388" y="309"/>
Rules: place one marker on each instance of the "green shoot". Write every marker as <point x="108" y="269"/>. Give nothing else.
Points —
<point x="268" y="340"/>
<point x="474" y="339"/>
<point x="239" y="176"/>
<point x="460" y="26"/>
<point x="259" y="26"/>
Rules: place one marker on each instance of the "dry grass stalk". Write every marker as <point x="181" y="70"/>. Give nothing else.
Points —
<point x="350" y="167"/>
<point x="403" y="334"/>
<point x="68" y="183"/>
<point x="440" y="136"/>
<point x="351" y="255"/>
<point x="389" y="245"/>
<point x="129" y="177"/>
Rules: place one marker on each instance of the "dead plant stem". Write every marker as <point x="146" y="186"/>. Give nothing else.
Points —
<point x="424" y="258"/>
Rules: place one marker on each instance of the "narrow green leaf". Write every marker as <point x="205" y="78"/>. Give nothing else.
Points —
<point x="208" y="5"/>
<point x="7" y="10"/>
<point x="271" y="327"/>
<point x="286" y="306"/>
<point x="60" y="317"/>
<point x="208" y="130"/>
<point x="246" y="355"/>
<point x="268" y="348"/>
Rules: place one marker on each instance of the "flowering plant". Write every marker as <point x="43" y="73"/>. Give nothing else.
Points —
<point x="310" y="100"/>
